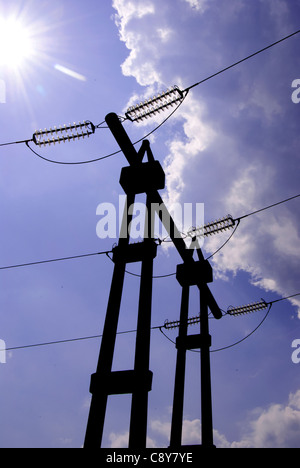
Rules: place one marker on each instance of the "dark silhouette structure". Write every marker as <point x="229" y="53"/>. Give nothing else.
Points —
<point x="148" y="177"/>
<point x="198" y="275"/>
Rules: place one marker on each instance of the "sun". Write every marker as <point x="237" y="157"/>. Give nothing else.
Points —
<point x="16" y="43"/>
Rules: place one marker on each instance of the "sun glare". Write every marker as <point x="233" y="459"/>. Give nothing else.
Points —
<point x="16" y="45"/>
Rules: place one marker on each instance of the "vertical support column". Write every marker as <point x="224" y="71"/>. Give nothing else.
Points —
<point x="95" y="425"/>
<point x="205" y="340"/>
<point x="139" y="407"/>
<point x="193" y="274"/>
<point x="178" y="401"/>
<point x="206" y="398"/>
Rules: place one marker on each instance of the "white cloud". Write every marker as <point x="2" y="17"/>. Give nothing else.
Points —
<point x="128" y="10"/>
<point x="144" y="71"/>
<point x="285" y="235"/>
<point x="121" y="440"/>
<point x="210" y="134"/>
<point x="266" y="255"/>
<point x="191" y="433"/>
<point x="165" y="34"/>
<point x="265" y="245"/>
<point x="161" y="428"/>
<point x="275" y="427"/>
<point x="246" y="188"/>
<point x="240" y="252"/>
<point x="198" y="5"/>
<point x="197" y="137"/>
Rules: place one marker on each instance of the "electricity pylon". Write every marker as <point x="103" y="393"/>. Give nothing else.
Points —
<point x="146" y="177"/>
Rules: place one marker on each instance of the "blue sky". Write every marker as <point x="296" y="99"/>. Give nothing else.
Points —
<point x="233" y="145"/>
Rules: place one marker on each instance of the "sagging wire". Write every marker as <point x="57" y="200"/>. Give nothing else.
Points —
<point x="138" y="275"/>
<point x="246" y="337"/>
<point x="158" y="103"/>
<point x="237" y="311"/>
<point x="228" y="222"/>
<point x="85" y="338"/>
<point x="225" y="347"/>
<point x="101" y="158"/>
<point x="226" y="242"/>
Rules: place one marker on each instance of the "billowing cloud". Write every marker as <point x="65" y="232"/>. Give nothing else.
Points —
<point x="182" y="152"/>
<point x="227" y="144"/>
<point x="265" y="245"/>
<point x="128" y="13"/>
<point x="191" y="430"/>
<point x="275" y="427"/>
<point x="121" y="440"/>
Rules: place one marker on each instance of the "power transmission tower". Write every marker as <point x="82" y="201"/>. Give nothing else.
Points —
<point x="148" y="177"/>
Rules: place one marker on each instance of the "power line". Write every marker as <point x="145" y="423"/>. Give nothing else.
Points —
<point x="246" y="337"/>
<point x="135" y="274"/>
<point x="71" y="340"/>
<point x="71" y="163"/>
<point x="236" y="223"/>
<point x="15" y="142"/>
<point x="185" y="91"/>
<point x="243" y="60"/>
<point x="101" y="158"/>
<point x="236" y="220"/>
<point x="50" y="343"/>
<point x="229" y="222"/>
<point x="284" y="298"/>
<point x="163" y="101"/>
<point x="108" y="155"/>
<point x="226" y="242"/>
<point x="85" y="338"/>
<point x="267" y="207"/>
<point x="269" y="304"/>
<point x="54" y="260"/>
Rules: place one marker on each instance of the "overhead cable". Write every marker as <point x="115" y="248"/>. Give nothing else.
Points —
<point x="243" y="60"/>
<point x="223" y="224"/>
<point x="134" y="113"/>
<point x="167" y="325"/>
<point x="54" y="260"/>
<point x="161" y="241"/>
